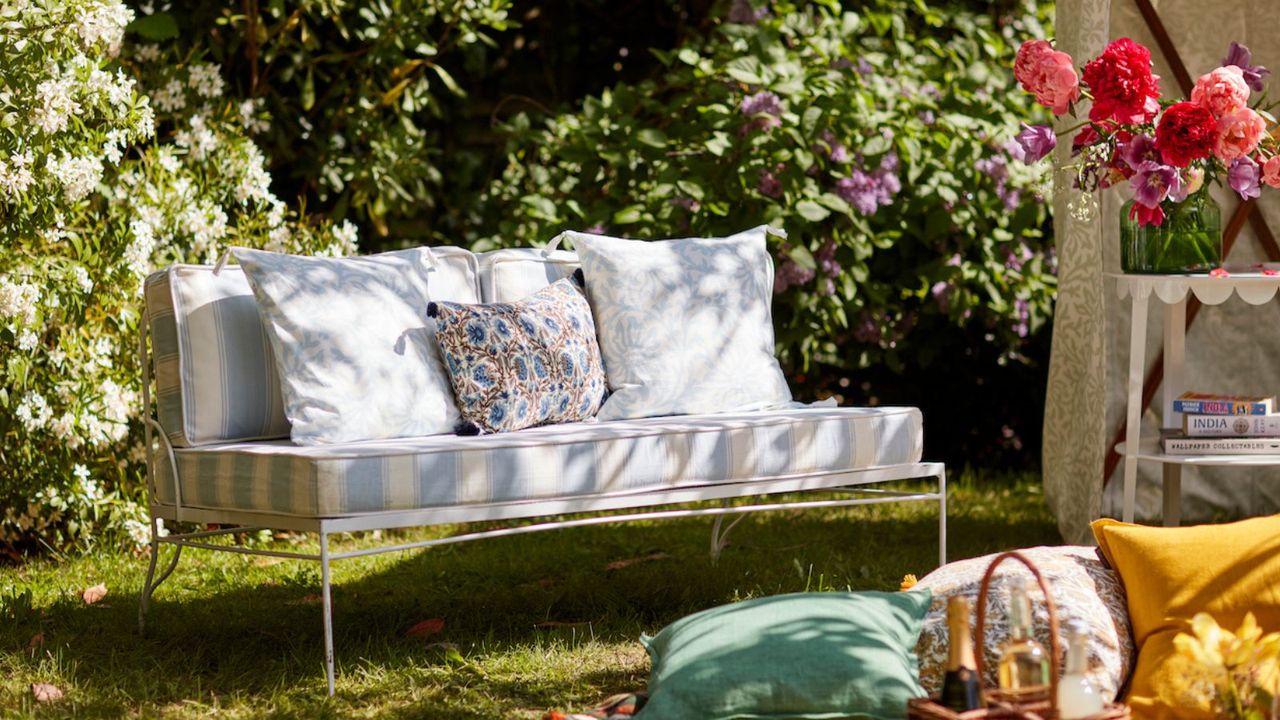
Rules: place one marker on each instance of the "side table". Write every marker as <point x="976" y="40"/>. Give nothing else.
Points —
<point x="1172" y="291"/>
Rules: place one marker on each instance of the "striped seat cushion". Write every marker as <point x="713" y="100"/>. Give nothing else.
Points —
<point x="216" y="378"/>
<point x="578" y="459"/>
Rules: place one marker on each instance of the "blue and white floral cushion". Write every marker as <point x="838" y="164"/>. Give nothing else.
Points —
<point x="685" y="325"/>
<point x="520" y="364"/>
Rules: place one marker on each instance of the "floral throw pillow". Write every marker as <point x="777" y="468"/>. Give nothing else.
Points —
<point x="519" y="364"/>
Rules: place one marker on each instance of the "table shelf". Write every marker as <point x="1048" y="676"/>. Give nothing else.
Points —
<point x="1149" y="450"/>
<point x="1256" y="285"/>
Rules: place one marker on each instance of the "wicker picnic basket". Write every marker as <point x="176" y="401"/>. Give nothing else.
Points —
<point x="1041" y="706"/>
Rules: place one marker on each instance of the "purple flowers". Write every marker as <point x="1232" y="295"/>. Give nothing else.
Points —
<point x="769" y="185"/>
<point x="831" y="147"/>
<point x="790" y="273"/>
<point x="1240" y="56"/>
<point x="1139" y="149"/>
<point x="1243" y="177"/>
<point x="1036" y="141"/>
<point x="867" y="191"/>
<point x="997" y="168"/>
<point x="743" y="12"/>
<point x="765" y="110"/>
<point x="1152" y="183"/>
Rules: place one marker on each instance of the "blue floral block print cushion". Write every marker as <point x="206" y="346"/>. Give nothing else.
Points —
<point x="531" y="362"/>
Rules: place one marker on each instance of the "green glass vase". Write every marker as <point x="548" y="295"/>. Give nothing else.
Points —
<point x="1188" y="241"/>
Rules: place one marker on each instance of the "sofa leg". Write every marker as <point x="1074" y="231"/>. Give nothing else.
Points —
<point x="152" y="582"/>
<point x="942" y="518"/>
<point x="327" y="604"/>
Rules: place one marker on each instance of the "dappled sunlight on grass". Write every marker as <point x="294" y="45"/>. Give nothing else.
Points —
<point x="529" y="622"/>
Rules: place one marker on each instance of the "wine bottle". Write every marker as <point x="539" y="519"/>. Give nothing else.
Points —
<point x="1024" y="664"/>
<point x="960" y="684"/>
<point x="1077" y="697"/>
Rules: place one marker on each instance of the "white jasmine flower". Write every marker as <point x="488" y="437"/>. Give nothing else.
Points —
<point x="103" y="22"/>
<point x="170" y="98"/>
<point x="148" y="53"/>
<point x="249" y="116"/>
<point x="19" y="300"/>
<point x="15" y="176"/>
<point x="54" y="105"/>
<point x="81" y="276"/>
<point x="28" y="340"/>
<point x="33" y="411"/>
<point x="206" y="80"/>
<point x="346" y="233"/>
<point x="78" y="176"/>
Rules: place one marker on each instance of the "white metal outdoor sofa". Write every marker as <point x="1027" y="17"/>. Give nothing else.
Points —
<point x="219" y="454"/>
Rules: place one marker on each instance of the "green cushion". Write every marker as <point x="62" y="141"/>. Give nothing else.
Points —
<point x="805" y="655"/>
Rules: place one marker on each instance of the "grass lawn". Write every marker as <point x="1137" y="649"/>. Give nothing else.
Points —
<point x="532" y="622"/>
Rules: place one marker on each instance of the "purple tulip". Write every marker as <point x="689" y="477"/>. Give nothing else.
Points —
<point x="1243" y="177"/>
<point x="1139" y="149"/>
<point x="1036" y="142"/>
<point x="1240" y="56"/>
<point x="1152" y="183"/>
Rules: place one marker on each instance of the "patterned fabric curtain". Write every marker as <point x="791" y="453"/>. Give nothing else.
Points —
<point x="1232" y="347"/>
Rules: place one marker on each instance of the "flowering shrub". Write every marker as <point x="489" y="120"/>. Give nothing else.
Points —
<point x="89" y="209"/>
<point x="884" y="153"/>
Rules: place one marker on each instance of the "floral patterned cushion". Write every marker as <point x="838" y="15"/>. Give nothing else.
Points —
<point x="1083" y="589"/>
<point x="519" y="364"/>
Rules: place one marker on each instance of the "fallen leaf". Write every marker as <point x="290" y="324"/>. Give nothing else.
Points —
<point x="44" y="692"/>
<point x="94" y="594"/>
<point x="36" y="641"/>
<point x="308" y="599"/>
<point x="267" y="561"/>
<point x="426" y="628"/>
<point x="619" y="564"/>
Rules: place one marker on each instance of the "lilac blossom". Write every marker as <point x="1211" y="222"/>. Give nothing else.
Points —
<point x="743" y="12"/>
<point x="1023" y="312"/>
<point x="769" y="185"/>
<point x="927" y="117"/>
<point x="865" y="67"/>
<point x="1015" y="260"/>
<point x="993" y="167"/>
<point x="1243" y="177"/>
<point x="686" y="203"/>
<point x="826" y="259"/>
<point x="1036" y="141"/>
<point x="1240" y="56"/>
<point x="790" y="273"/>
<point x="859" y="190"/>
<point x="764" y="108"/>
<point x="867" y="330"/>
<point x="1152" y="182"/>
<point x="831" y="147"/>
<point x="941" y="292"/>
<point x="597" y="229"/>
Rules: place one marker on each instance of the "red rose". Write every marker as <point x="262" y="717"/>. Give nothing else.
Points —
<point x="1124" y="89"/>
<point x="1186" y="132"/>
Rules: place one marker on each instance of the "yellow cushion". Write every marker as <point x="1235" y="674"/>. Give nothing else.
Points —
<point x="1169" y="575"/>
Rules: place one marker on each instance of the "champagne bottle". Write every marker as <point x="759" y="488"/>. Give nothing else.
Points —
<point x="960" y="684"/>
<point x="1024" y="664"/>
<point x="1077" y="697"/>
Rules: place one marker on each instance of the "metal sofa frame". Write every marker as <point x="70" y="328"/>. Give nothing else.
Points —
<point x="552" y="511"/>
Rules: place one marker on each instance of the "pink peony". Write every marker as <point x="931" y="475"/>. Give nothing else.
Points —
<point x="1049" y="74"/>
<point x="1271" y="172"/>
<point x="1222" y="91"/>
<point x="1238" y="134"/>
<point x="1029" y="57"/>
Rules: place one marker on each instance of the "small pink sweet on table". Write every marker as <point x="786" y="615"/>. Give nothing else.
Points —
<point x="1219" y="273"/>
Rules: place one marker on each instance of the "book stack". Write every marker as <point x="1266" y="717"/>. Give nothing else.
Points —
<point x="1225" y="425"/>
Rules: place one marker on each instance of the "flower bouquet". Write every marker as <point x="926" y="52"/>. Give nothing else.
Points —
<point x="1169" y="153"/>
<point x="1234" y="675"/>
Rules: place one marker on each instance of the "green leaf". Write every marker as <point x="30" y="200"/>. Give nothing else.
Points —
<point x="156" y="26"/>
<point x="628" y="215"/>
<point x="718" y="143"/>
<point x="746" y="69"/>
<point x="448" y="81"/>
<point x="809" y="121"/>
<point x="688" y="56"/>
<point x="652" y="137"/>
<point x="812" y="211"/>
<point x="801" y="256"/>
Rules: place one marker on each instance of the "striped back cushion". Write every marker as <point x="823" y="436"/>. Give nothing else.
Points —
<point x="516" y="273"/>
<point x="215" y="374"/>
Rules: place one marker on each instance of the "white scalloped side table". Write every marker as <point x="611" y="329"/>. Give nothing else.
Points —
<point x="1255" y="288"/>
